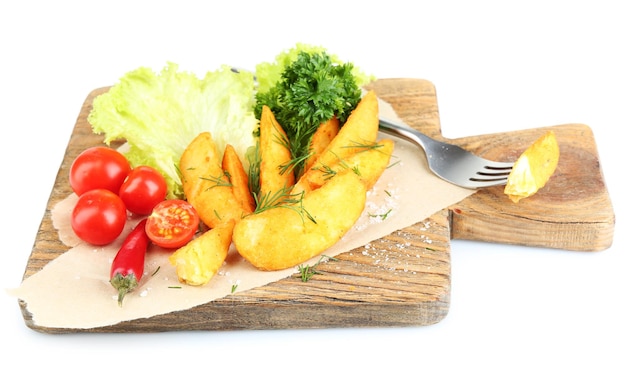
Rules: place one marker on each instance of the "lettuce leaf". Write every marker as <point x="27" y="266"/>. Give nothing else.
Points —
<point x="158" y="114"/>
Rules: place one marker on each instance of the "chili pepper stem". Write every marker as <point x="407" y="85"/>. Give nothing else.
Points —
<point x="123" y="285"/>
<point x="128" y="265"/>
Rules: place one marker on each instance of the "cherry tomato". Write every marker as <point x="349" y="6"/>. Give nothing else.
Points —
<point x="98" y="217"/>
<point x="172" y="224"/>
<point x="98" y="168"/>
<point x="143" y="189"/>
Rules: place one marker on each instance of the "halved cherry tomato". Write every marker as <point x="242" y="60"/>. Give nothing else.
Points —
<point x="143" y="189"/>
<point x="98" y="168"/>
<point x="172" y="224"/>
<point x="98" y="217"/>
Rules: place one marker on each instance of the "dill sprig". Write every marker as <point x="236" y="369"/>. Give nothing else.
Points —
<point x="156" y="271"/>
<point x="307" y="271"/>
<point x="282" y="199"/>
<point x="217" y="181"/>
<point x="382" y="216"/>
<point x="365" y="145"/>
<point x="329" y="172"/>
<point x="253" y="156"/>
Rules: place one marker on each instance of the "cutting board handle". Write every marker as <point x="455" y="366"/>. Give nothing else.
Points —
<point x="572" y="212"/>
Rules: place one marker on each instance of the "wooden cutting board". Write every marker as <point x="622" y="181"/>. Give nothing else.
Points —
<point x="402" y="279"/>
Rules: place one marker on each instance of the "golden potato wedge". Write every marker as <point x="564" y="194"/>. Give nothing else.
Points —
<point x="200" y="259"/>
<point x="275" y="174"/>
<point x="232" y="165"/>
<point x="321" y="139"/>
<point x="205" y="184"/>
<point x="280" y="237"/>
<point x="532" y="170"/>
<point x="359" y="132"/>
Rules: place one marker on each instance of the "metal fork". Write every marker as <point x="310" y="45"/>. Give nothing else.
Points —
<point x="450" y="162"/>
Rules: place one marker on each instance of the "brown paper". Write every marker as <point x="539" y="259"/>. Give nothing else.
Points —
<point x="73" y="291"/>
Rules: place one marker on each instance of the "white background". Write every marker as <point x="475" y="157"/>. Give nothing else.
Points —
<point x="516" y="313"/>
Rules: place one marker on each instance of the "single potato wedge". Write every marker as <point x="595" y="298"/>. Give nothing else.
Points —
<point x="533" y="168"/>
<point x="275" y="176"/>
<point x="232" y="165"/>
<point x="321" y="139"/>
<point x="281" y="237"/>
<point x="200" y="259"/>
<point x="205" y="184"/>
<point x="359" y="131"/>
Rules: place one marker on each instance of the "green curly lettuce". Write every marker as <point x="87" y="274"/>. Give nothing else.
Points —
<point x="159" y="114"/>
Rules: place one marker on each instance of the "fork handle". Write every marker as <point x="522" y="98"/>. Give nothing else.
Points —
<point x="404" y="132"/>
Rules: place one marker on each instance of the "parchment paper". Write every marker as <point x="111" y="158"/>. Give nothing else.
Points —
<point x="73" y="291"/>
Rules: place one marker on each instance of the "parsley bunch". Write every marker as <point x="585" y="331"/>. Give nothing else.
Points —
<point x="311" y="90"/>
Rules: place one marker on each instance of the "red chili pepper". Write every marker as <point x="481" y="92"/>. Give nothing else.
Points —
<point x="127" y="266"/>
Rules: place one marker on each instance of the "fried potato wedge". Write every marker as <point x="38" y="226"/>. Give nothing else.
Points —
<point x="359" y="131"/>
<point x="532" y="170"/>
<point x="320" y="140"/>
<point x="205" y="184"/>
<point x="200" y="259"/>
<point x="280" y="237"/>
<point x="275" y="174"/>
<point x="232" y="165"/>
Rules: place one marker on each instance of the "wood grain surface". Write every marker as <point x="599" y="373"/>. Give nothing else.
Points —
<point x="572" y="212"/>
<point x="402" y="279"/>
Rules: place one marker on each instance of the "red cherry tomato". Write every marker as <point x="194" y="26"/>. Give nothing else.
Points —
<point x="143" y="189"/>
<point x="172" y="224"/>
<point x="98" y="168"/>
<point x="98" y="217"/>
